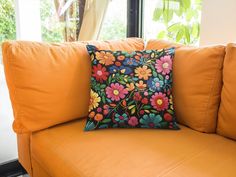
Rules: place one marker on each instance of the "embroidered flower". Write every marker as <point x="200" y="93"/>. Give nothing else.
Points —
<point x="143" y="72"/>
<point x="121" y="57"/>
<point x="91" y="115"/>
<point x="106" y="109"/>
<point x="159" y="101"/>
<point x="155" y="84"/>
<point x="141" y="85"/>
<point x="151" y="121"/>
<point x="130" y="86"/>
<point x="105" y="58"/>
<point x="144" y="101"/>
<point x="133" y="121"/>
<point x="100" y="73"/>
<point x="137" y="96"/>
<point x="98" y="117"/>
<point x="94" y="100"/>
<point x="164" y="65"/>
<point x="116" y="92"/>
<point x="121" y="69"/>
<point x="125" y="70"/>
<point x="130" y="61"/>
<point x="121" y="118"/>
<point x="117" y="63"/>
<point x="168" y="117"/>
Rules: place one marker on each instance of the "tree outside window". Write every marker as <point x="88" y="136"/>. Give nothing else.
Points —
<point x="174" y="20"/>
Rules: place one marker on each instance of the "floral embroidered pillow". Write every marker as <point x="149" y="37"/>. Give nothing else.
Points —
<point x="131" y="89"/>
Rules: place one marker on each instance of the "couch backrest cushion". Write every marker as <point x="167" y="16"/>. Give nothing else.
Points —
<point x="197" y="83"/>
<point x="50" y="83"/>
<point x="227" y="113"/>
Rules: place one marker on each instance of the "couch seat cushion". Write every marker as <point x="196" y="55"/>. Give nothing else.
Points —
<point x="66" y="150"/>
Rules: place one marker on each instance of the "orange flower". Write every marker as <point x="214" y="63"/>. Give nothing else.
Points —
<point x="91" y="114"/>
<point x="117" y="63"/>
<point x="106" y="58"/>
<point x="98" y="117"/>
<point x="137" y="57"/>
<point x="130" y="86"/>
<point x="143" y="72"/>
<point x="141" y="85"/>
<point x="121" y="57"/>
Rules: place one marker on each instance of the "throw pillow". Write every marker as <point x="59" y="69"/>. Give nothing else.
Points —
<point x="131" y="89"/>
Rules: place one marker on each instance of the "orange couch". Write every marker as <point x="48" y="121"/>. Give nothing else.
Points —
<point x="49" y="88"/>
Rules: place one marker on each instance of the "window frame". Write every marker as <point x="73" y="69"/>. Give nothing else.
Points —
<point x="135" y="18"/>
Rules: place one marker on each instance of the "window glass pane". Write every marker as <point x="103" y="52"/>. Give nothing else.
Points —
<point x="175" y="20"/>
<point x="115" y="21"/>
<point x="7" y="22"/>
<point x="59" y="22"/>
<point x="51" y="27"/>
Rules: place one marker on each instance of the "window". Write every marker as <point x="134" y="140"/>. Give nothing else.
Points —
<point x="175" y="20"/>
<point x="115" y="21"/>
<point x="59" y="21"/>
<point x="7" y="22"/>
<point x="51" y="27"/>
<point x="7" y="19"/>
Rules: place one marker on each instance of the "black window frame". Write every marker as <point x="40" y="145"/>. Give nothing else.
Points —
<point x="135" y="18"/>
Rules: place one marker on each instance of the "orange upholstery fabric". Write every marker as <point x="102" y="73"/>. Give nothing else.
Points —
<point x="38" y="170"/>
<point x="66" y="150"/>
<point x="197" y="83"/>
<point x="227" y="111"/>
<point x="24" y="155"/>
<point x="50" y="83"/>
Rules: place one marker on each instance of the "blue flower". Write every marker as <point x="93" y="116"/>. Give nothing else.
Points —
<point x="121" y="118"/>
<point x="130" y="61"/>
<point x="151" y="121"/>
<point x="123" y="69"/>
<point x="155" y="84"/>
<point x="126" y="70"/>
<point x="113" y="69"/>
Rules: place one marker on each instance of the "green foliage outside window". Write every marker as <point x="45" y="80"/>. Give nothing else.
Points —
<point x="7" y="20"/>
<point x="113" y="29"/>
<point x="181" y="19"/>
<point x="52" y="29"/>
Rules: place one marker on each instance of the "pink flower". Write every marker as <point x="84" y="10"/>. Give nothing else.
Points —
<point x="133" y="121"/>
<point x="116" y="92"/>
<point x="99" y="109"/>
<point x="159" y="101"/>
<point x="164" y="65"/>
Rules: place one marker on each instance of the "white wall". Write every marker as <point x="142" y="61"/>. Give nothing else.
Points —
<point x="28" y="23"/>
<point x="218" y="25"/>
<point x="8" y="147"/>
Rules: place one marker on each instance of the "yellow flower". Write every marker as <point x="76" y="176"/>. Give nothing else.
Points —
<point x="171" y="100"/>
<point x="94" y="100"/>
<point x="141" y="85"/>
<point x="105" y="58"/>
<point x="143" y="72"/>
<point x="130" y="86"/>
